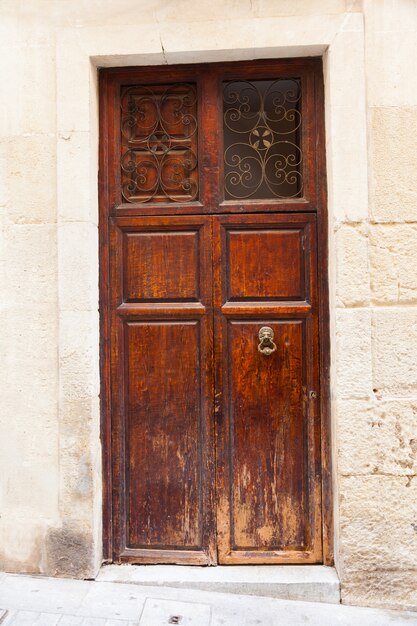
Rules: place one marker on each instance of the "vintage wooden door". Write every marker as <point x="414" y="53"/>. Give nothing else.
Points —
<point x="214" y="314"/>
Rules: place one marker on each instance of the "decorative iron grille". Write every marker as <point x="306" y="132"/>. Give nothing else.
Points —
<point x="262" y="130"/>
<point x="159" y="143"/>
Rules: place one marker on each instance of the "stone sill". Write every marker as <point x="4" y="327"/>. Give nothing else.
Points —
<point x="310" y="583"/>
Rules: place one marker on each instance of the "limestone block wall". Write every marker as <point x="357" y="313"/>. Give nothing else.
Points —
<point x="376" y="305"/>
<point x="29" y="435"/>
<point x="50" y="486"/>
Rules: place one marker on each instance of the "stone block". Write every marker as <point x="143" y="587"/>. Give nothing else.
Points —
<point x="72" y="83"/>
<point x="70" y="551"/>
<point x="391" y="78"/>
<point x="30" y="26"/>
<point x="21" y="543"/>
<point x="22" y="444"/>
<point x="353" y="353"/>
<point x="77" y="179"/>
<point x="392" y="589"/>
<point x="352" y="283"/>
<point x="78" y="444"/>
<point x="28" y="367"/>
<point x="28" y="421"/>
<point x="300" y="8"/>
<point x="347" y="88"/>
<point x="394" y="349"/>
<point x="378" y="524"/>
<point x="213" y="36"/>
<point x="119" y="40"/>
<point x="30" y="270"/>
<point x="79" y="355"/>
<point x="393" y="257"/>
<point x="393" y="150"/>
<point x="345" y="109"/>
<point x="27" y="89"/>
<point x="79" y="420"/>
<point x="32" y="489"/>
<point x="347" y="161"/>
<point x="377" y="437"/>
<point x="78" y="267"/>
<point x="389" y="16"/>
<point x="216" y="37"/>
<point x="28" y="185"/>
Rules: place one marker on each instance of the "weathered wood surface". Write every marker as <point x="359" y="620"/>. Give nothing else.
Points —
<point x="213" y="451"/>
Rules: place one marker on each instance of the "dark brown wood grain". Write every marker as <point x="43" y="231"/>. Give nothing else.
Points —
<point x="104" y="306"/>
<point x="324" y="318"/>
<point x="183" y="293"/>
<point x="268" y="427"/>
<point x="162" y="385"/>
<point x="171" y="263"/>
<point x="162" y="431"/>
<point x="280" y="274"/>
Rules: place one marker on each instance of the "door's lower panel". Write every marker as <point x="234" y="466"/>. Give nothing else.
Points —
<point x="267" y="426"/>
<point x="165" y="440"/>
<point x="162" y="466"/>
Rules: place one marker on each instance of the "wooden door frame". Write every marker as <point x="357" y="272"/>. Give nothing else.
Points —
<point x="106" y="183"/>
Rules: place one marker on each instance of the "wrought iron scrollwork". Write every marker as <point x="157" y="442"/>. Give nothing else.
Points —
<point x="159" y="143"/>
<point x="262" y="123"/>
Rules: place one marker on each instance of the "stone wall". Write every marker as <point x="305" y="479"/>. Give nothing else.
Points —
<point x="376" y="299"/>
<point x="50" y="492"/>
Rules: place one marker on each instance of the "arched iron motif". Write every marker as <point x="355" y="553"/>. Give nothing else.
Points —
<point x="262" y="126"/>
<point x="159" y="143"/>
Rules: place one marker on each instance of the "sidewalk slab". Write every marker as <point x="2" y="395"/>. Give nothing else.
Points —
<point x="29" y="593"/>
<point x="30" y="618"/>
<point x="173" y="612"/>
<point x="35" y="601"/>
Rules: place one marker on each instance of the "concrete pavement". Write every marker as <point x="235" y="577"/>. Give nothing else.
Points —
<point x="38" y="601"/>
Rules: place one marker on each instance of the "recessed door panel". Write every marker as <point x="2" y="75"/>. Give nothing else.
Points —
<point x="280" y="275"/>
<point x="163" y="446"/>
<point x="267" y="420"/>
<point x="161" y="266"/>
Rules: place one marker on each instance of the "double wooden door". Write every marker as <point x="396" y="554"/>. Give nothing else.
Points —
<point x="218" y="432"/>
<point x="210" y="343"/>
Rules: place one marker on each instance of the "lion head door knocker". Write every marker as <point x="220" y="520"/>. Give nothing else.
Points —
<point x="266" y="341"/>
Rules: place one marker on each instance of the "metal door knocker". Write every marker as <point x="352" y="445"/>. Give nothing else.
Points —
<point x="266" y="344"/>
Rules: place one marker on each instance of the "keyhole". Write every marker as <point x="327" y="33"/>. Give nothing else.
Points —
<point x="175" y="619"/>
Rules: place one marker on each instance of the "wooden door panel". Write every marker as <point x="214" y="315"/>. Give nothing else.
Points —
<point x="280" y="275"/>
<point x="266" y="414"/>
<point x="268" y="429"/>
<point x="162" y="391"/>
<point x="171" y="271"/>
<point x="163" y="478"/>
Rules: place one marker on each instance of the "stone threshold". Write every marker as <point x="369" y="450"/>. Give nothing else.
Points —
<point x="309" y="583"/>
